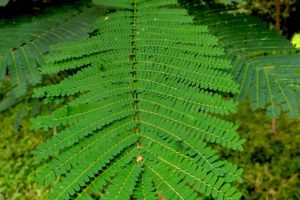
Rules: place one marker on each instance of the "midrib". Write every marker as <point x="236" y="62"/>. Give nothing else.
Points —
<point x="132" y="58"/>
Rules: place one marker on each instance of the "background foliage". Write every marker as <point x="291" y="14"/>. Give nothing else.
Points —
<point x="264" y="63"/>
<point x="271" y="162"/>
<point x="16" y="160"/>
<point x="289" y="13"/>
<point x="22" y="56"/>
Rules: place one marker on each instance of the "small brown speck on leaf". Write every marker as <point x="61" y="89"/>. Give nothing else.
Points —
<point x="139" y="158"/>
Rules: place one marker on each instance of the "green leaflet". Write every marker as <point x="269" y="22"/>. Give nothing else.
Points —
<point x="146" y="95"/>
<point x="122" y="185"/>
<point x="25" y="43"/>
<point x="145" y="188"/>
<point x="264" y="63"/>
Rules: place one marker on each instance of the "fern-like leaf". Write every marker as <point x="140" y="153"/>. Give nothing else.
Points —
<point x="265" y="64"/>
<point x="25" y="43"/>
<point x="145" y="98"/>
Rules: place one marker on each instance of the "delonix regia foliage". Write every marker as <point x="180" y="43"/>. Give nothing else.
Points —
<point x="265" y="64"/>
<point x="142" y="105"/>
<point x="25" y="41"/>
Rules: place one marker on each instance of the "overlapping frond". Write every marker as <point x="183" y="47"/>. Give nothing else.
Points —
<point x="25" y="43"/>
<point x="265" y="64"/>
<point x="146" y="93"/>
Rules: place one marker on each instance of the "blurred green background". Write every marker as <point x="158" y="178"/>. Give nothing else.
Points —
<point x="271" y="162"/>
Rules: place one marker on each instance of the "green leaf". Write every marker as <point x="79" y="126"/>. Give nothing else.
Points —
<point x="265" y="64"/>
<point x="145" y="99"/>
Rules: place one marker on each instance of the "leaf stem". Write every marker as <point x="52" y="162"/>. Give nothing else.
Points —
<point x="274" y="126"/>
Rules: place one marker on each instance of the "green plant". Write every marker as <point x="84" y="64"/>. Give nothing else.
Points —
<point x="17" y="169"/>
<point x="265" y="64"/>
<point x="25" y="41"/>
<point x="296" y="40"/>
<point x="280" y="14"/>
<point x="271" y="162"/>
<point x="141" y="104"/>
